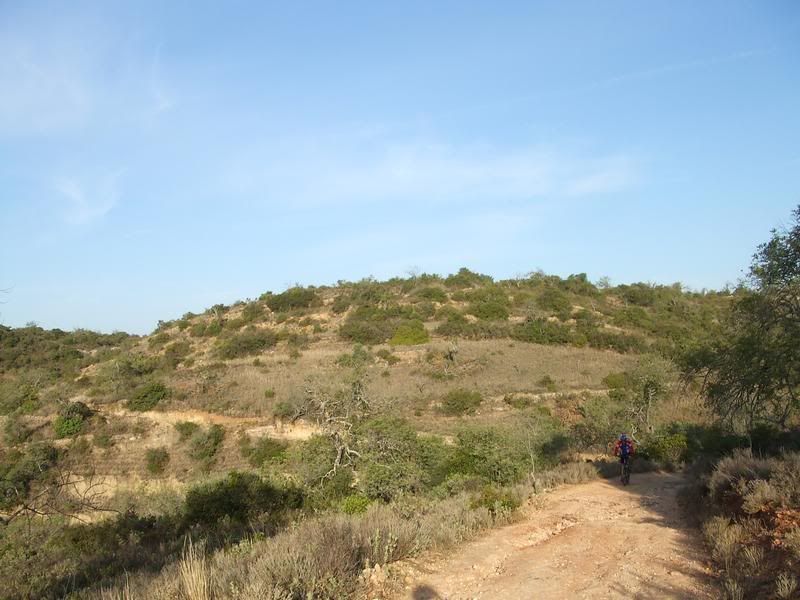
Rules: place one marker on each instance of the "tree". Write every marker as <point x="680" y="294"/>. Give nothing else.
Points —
<point x="751" y="374"/>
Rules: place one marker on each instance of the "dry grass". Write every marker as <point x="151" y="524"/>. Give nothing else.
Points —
<point x="195" y="573"/>
<point x="785" y="585"/>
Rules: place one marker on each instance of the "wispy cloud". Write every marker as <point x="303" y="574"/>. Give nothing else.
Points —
<point x="421" y="171"/>
<point x="89" y="203"/>
<point x="43" y="88"/>
<point x="161" y="95"/>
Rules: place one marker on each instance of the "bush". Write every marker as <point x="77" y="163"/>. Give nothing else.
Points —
<point x="435" y="294"/>
<point x="409" y="334"/>
<point x="355" y="504"/>
<point x="263" y="450"/>
<point x="488" y="453"/>
<point x="67" y="426"/>
<point x="284" y="410"/>
<point x="15" y="430"/>
<point x="617" y="381"/>
<point x="175" y="353"/>
<point x="359" y="357"/>
<point x="461" y="401"/>
<point x="497" y="501"/>
<point x="291" y="299"/>
<point x="340" y="304"/>
<point x="249" y="342"/>
<point x="548" y="383"/>
<point x="146" y="397"/>
<point x="387" y="355"/>
<point x="239" y="497"/>
<point x="488" y="310"/>
<point x="186" y="429"/>
<point x="466" y="278"/>
<point x="203" y="446"/>
<point x="542" y="331"/>
<point x="671" y="448"/>
<point x="555" y="302"/>
<point x="156" y="460"/>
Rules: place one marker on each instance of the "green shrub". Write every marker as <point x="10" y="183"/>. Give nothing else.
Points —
<point x="622" y="343"/>
<point x="666" y="448"/>
<point x="340" y="304"/>
<point x="158" y="340"/>
<point x="518" y="402"/>
<point x="616" y="381"/>
<point x="252" y="312"/>
<point x="269" y="393"/>
<point x="284" y="410"/>
<point x="291" y="299"/>
<point x="264" y="449"/>
<point x="67" y="426"/>
<point x="488" y="310"/>
<point x="435" y="294"/>
<point x="20" y="469"/>
<point x="387" y="356"/>
<point x="542" y="331"/>
<point x="176" y="352"/>
<point x="70" y="419"/>
<point x="249" y="342"/>
<point x="75" y="409"/>
<point x="203" y="446"/>
<point x="18" y="396"/>
<point x="497" y="501"/>
<point x="355" y="504"/>
<point x="239" y="497"/>
<point x="147" y="396"/>
<point x="359" y="357"/>
<point x="410" y="333"/>
<point x="556" y="302"/>
<point x="461" y="401"/>
<point x="488" y="452"/>
<point x="15" y="431"/>
<point x="186" y="429"/>
<point x="156" y="460"/>
<point x="641" y="294"/>
<point x="466" y="278"/>
<point x="548" y="383"/>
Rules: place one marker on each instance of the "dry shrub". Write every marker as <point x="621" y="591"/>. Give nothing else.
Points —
<point x="732" y="589"/>
<point x="792" y="542"/>
<point x="725" y="539"/>
<point x="195" y="573"/>
<point x="729" y="481"/>
<point x="785" y="585"/>
<point x="752" y="559"/>
<point x="577" y="472"/>
<point x="759" y="496"/>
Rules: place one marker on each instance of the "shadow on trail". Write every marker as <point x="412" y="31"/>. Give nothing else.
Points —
<point x="659" y="494"/>
<point x="425" y="592"/>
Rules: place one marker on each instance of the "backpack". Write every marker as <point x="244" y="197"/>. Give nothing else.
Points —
<point x="625" y="448"/>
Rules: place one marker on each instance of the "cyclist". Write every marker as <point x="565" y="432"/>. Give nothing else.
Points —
<point x="624" y="448"/>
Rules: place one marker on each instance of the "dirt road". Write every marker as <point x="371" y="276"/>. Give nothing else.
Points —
<point x="597" y="540"/>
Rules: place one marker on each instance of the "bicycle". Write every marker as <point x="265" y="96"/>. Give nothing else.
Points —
<point x="625" y="475"/>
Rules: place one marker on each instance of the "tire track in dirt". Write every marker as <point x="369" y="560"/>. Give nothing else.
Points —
<point x="596" y="540"/>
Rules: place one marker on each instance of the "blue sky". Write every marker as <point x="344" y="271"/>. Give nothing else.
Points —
<point x="161" y="157"/>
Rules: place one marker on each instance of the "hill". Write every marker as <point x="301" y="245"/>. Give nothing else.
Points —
<point x="330" y="398"/>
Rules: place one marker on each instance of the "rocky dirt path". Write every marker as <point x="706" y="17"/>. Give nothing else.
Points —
<point x="597" y="540"/>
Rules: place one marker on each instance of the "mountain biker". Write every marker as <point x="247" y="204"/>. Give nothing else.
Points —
<point x="624" y="448"/>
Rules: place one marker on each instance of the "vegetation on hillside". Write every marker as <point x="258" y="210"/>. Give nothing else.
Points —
<point x="435" y="405"/>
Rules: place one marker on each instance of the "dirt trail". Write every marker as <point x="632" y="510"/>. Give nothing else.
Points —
<point x="597" y="540"/>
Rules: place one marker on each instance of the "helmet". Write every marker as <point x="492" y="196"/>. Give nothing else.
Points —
<point x="623" y="436"/>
